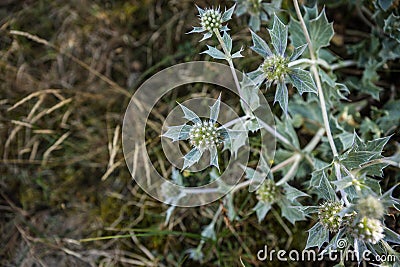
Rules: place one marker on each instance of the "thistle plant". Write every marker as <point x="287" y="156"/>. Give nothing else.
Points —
<point x="337" y="163"/>
<point x="276" y="67"/>
<point x="211" y="21"/>
<point x="203" y="135"/>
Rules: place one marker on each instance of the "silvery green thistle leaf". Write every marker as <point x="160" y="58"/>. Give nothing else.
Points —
<point x="317" y="236"/>
<point x="176" y="133"/>
<point x="298" y="51"/>
<point x="260" y="46"/>
<point x="320" y="30"/>
<point x="279" y="36"/>
<point x="302" y="80"/>
<point x="282" y="95"/>
<point x="211" y="19"/>
<point x="214" y="53"/>
<point x="218" y="54"/>
<point x="214" y="110"/>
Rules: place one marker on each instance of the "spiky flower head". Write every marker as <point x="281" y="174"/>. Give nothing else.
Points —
<point x="369" y="230"/>
<point x="268" y="192"/>
<point x="211" y="19"/>
<point x="370" y="207"/>
<point x="275" y="67"/>
<point x="204" y="134"/>
<point x="328" y="214"/>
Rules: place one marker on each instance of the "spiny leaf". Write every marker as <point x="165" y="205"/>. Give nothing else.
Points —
<point x="201" y="11"/>
<point x="238" y="53"/>
<point x="343" y="183"/>
<point x="190" y="115"/>
<point x="214" y="53"/>
<point x="177" y="177"/>
<point x="302" y="80"/>
<point x="392" y="27"/>
<point x="292" y="193"/>
<point x="321" y="186"/>
<point x="176" y="133"/>
<point x="191" y="158"/>
<point x="234" y="138"/>
<point x="391" y="236"/>
<point x="285" y="128"/>
<point x="291" y="212"/>
<point x="319" y="29"/>
<point x="197" y="30"/>
<point x="261" y="210"/>
<point x="209" y="232"/>
<point x="249" y="93"/>
<point x="214" y="157"/>
<point x="227" y="41"/>
<point x="260" y="46"/>
<point x="254" y="22"/>
<point x="206" y="36"/>
<point x="387" y="198"/>
<point x="298" y="51"/>
<point x="317" y="236"/>
<point x="228" y="14"/>
<point x="279" y="35"/>
<point x="214" y="110"/>
<point x="362" y="153"/>
<point x="282" y="95"/>
<point x="385" y="4"/>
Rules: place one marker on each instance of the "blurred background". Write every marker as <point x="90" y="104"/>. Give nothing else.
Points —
<point x="67" y="71"/>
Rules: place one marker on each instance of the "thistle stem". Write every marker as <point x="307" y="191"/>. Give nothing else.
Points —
<point x="323" y="63"/>
<point x="233" y="122"/>
<point x="292" y="171"/>
<point x="324" y="111"/>
<point x="230" y="62"/>
<point x="317" y="80"/>
<point x="314" y="141"/>
<point x="343" y="64"/>
<point x="300" y="61"/>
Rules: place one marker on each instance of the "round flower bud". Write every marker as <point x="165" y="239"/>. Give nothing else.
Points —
<point x="370" y="207"/>
<point x="204" y="135"/>
<point x="275" y="67"/>
<point x="211" y="19"/>
<point x="268" y="192"/>
<point x="369" y="230"/>
<point x="328" y="214"/>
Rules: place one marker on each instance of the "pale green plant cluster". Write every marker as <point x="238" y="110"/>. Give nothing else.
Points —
<point x="338" y="170"/>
